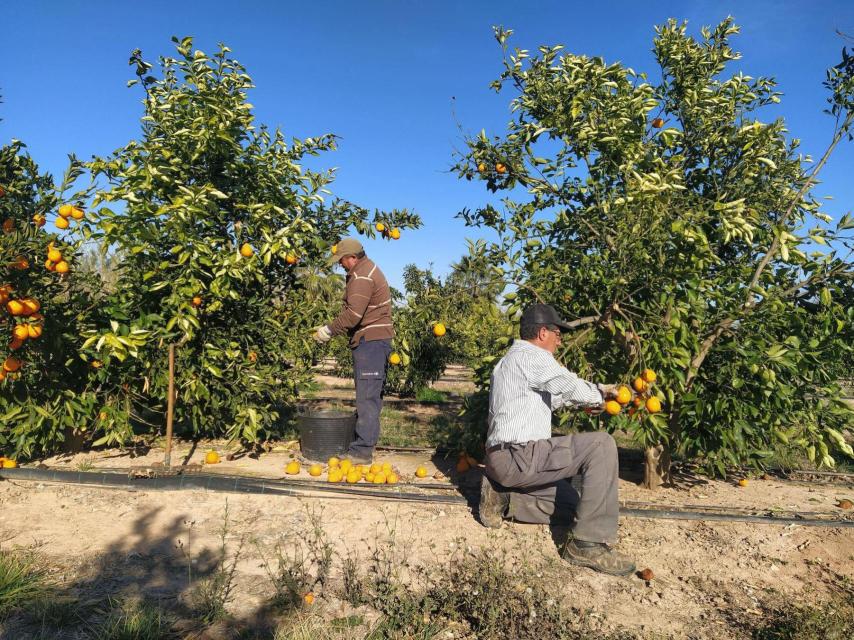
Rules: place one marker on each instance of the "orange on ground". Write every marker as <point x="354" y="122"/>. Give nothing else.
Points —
<point x="742" y="482"/>
<point x="354" y="476"/>
<point x="612" y="407"/>
<point x="624" y="394"/>
<point x="379" y="478"/>
<point x="309" y="598"/>
<point x="315" y="470"/>
<point x="421" y="472"/>
<point x="246" y="250"/>
<point x="376" y="467"/>
<point x="649" y="375"/>
<point x="346" y="465"/>
<point x="292" y="468"/>
<point x="395" y="234"/>
<point x="335" y="475"/>
<point x="333" y="462"/>
<point x="61" y="223"/>
<point x="61" y="267"/>
<point x="9" y="464"/>
<point x="653" y="404"/>
<point x="392" y="478"/>
<point x="369" y="477"/>
<point x="639" y="385"/>
<point x="439" y="329"/>
<point x="211" y="457"/>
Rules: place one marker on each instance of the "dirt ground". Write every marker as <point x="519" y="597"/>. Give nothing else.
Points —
<point x="136" y="541"/>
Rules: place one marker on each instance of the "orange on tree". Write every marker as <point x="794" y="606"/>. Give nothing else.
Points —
<point x="77" y="213"/>
<point x="96" y="364"/>
<point x="211" y="457"/>
<point x="394" y="358"/>
<point x="649" y="375"/>
<point x="34" y="330"/>
<point x="8" y="225"/>
<point x="395" y="234"/>
<point x="246" y="250"/>
<point x="379" y="227"/>
<point x="11" y="364"/>
<point x="31" y="306"/>
<point x="102" y="415"/>
<point x="62" y="223"/>
<point x="54" y="255"/>
<point x="292" y="468"/>
<point x="291" y="258"/>
<point x="657" y="123"/>
<point x="624" y="394"/>
<point x="439" y="329"/>
<point x="39" y="220"/>
<point x="653" y="404"/>
<point x="253" y="356"/>
<point x="50" y="265"/>
<point x="61" y="267"/>
<point x="639" y="385"/>
<point x="500" y="168"/>
<point x="15" y="307"/>
<point x="481" y="167"/>
<point x="612" y="407"/>
<point x="197" y="301"/>
<point x="21" y="332"/>
<point x="20" y="263"/>
<point x="15" y="344"/>
<point x="65" y="210"/>
<point x="315" y="470"/>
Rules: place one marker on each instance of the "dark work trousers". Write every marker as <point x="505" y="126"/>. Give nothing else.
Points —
<point x="370" y="359"/>
<point x="538" y="473"/>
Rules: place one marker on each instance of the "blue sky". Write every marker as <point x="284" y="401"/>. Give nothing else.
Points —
<point x="395" y="80"/>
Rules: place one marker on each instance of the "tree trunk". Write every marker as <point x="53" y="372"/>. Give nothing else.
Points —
<point x="656" y="469"/>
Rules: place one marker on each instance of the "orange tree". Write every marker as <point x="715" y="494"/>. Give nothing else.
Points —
<point x="46" y="392"/>
<point x="681" y="233"/>
<point x="213" y="220"/>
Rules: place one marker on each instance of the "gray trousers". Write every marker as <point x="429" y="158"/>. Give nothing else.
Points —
<point x="538" y="474"/>
<point x="370" y="359"/>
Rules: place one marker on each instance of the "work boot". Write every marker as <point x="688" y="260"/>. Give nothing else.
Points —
<point x="360" y="458"/>
<point x="597" y="556"/>
<point x="493" y="504"/>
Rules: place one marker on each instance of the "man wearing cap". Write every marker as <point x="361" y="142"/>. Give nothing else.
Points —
<point x="366" y="318"/>
<point x="527" y="470"/>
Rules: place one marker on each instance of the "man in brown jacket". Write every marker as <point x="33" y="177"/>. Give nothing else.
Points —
<point x="366" y="318"/>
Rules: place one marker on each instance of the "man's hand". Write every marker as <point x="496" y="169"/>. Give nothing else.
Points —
<point x="322" y="334"/>
<point x="608" y="391"/>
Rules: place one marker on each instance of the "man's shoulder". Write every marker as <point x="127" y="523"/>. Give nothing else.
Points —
<point x="367" y="268"/>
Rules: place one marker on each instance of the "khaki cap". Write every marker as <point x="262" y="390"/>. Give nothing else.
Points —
<point x="346" y="247"/>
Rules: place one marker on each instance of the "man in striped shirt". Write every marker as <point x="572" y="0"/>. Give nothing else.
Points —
<point x="527" y="470"/>
<point x="366" y="318"/>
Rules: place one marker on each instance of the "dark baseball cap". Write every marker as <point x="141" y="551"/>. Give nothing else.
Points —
<point x="544" y="314"/>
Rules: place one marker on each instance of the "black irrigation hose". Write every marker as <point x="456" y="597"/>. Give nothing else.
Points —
<point x="242" y="485"/>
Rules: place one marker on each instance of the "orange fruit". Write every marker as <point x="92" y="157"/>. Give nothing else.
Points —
<point x="34" y="330"/>
<point x="379" y="478"/>
<point x="8" y="225"/>
<point x="291" y="258"/>
<point x="376" y="467"/>
<point x="638" y="401"/>
<point x="2" y="191"/>
<point x="353" y="477"/>
<point x="253" y="357"/>
<point x="31" y="306"/>
<point x="292" y="468"/>
<point x="11" y="364"/>
<point x="102" y="415"/>
<point x="439" y="329"/>
<point x="211" y="457"/>
<point x="346" y="465"/>
<point x="334" y="249"/>
<point x="653" y="404"/>
<point x="308" y="598"/>
<point x="392" y="478"/>
<point x="481" y="167"/>
<point x="500" y="168"/>
<point x="197" y="301"/>
<point x="649" y="375"/>
<point x="77" y="213"/>
<point x="315" y="470"/>
<point x="65" y="210"/>
<point x="612" y="407"/>
<point x="9" y="464"/>
<point x="21" y="332"/>
<point x="639" y="385"/>
<point x="742" y="482"/>
<point x="335" y="475"/>
<point x="421" y="472"/>
<point x="39" y="220"/>
<point x="2" y="375"/>
<point x="95" y="364"/>
<point x="50" y="266"/>
<point x="386" y="467"/>
<point x="15" y="307"/>
<point x="380" y="227"/>
<point x="61" y="223"/>
<point x="657" y="123"/>
<point x="21" y="263"/>
<point x="333" y="462"/>
<point x="61" y="267"/>
<point x="624" y="394"/>
<point x="394" y="358"/>
<point x="15" y="344"/>
<point x="369" y="477"/>
<point x="395" y="234"/>
<point x="246" y="250"/>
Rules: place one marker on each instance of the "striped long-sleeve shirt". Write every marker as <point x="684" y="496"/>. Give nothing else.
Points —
<point x="367" y="305"/>
<point x="527" y="385"/>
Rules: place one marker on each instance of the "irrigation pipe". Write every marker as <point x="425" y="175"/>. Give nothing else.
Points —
<point x="250" y="486"/>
